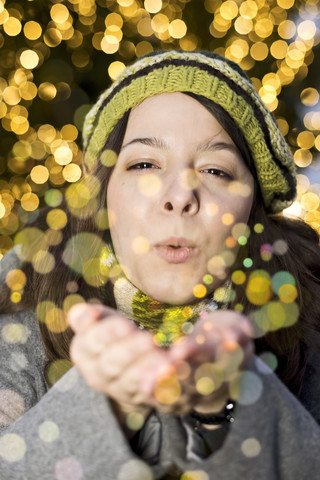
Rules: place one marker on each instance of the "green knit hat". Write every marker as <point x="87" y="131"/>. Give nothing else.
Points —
<point x="221" y="81"/>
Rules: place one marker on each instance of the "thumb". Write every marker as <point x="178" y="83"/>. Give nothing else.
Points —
<point x="82" y="316"/>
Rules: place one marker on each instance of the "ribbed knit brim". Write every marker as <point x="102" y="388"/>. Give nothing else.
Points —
<point x="221" y="81"/>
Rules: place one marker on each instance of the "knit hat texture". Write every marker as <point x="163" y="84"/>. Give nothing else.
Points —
<point x="218" y="79"/>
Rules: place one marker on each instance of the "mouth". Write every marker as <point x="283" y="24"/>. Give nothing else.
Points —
<point x="175" y="249"/>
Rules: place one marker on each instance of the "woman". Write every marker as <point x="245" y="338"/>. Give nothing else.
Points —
<point x="192" y="168"/>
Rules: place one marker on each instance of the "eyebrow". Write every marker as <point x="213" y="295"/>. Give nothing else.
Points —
<point x="150" y="142"/>
<point x="211" y="145"/>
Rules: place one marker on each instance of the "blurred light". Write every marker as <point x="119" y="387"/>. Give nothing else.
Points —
<point x="11" y="95"/>
<point x="294" y="210"/>
<point x="229" y="10"/>
<point x="178" y="28"/>
<point x="309" y="97"/>
<point x="153" y="6"/>
<point x="302" y="157"/>
<point x="80" y="58"/>
<point x="307" y="29"/>
<point x="29" y="59"/>
<point x="259" y="51"/>
<point x="109" y="44"/>
<point x="32" y="30"/>
<point x="243" y="25"/>
<point x="47" y="91"/>
<point x="305" y="139"/>
<point x="71" y="173"/>
<point x="39" y="174"/>
<point x="69" y="132"/>
<point x="28" y="90"/>
<point x="59" y="13"/>
<point x="115" y="68"/>
<point x="286" y="4"/>
<point x="12" y="26"/>
<point x="264" y="27"/>
<point x="63" y="155"/>
<point x="283" y="126"/>
<point x="279" y="49"/>
<point x="144" y="27"/>
<point x="113" y="19"/>
<point x="310" y="201"/>
<point x="46" y="133"/>
<point x="189" y="42"/>
<point x="52" y="37"/>
<point x="248" y="10"/>
<point x="160" y="23"/>
<point x="287" y="29"/>
<point x="143" y="48"/>
<point x="29" y="202"/>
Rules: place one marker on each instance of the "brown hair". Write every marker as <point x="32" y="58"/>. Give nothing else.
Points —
<point x="301" y="259"/>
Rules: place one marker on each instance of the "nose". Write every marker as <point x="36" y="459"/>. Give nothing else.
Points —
<point x="180" y="200"/>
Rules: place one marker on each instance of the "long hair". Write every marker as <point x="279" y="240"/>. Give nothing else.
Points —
<point x="299" y="256"/>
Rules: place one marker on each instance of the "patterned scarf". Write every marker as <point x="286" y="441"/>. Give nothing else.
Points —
<point x="168" y="322"/>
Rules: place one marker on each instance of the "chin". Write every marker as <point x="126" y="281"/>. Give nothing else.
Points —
<point x="171" y="297"/>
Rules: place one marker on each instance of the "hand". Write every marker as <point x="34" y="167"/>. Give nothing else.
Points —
<point x="204" y="362"/>
<point x="123" y="362"/>
<point x="113" y="355"/>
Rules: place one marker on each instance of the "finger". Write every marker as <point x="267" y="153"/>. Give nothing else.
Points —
<point x="99" y="336"/>
<point x="83" y="315"/>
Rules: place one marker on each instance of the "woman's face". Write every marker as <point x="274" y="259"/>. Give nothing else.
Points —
<point x="177" y="190"/>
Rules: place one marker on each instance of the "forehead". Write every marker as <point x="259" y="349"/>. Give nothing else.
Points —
<point x="175" y="115"/>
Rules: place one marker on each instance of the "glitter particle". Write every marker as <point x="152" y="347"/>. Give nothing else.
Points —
<point x="251" y="447"/>
<point x="48" y="431"/>
<point x="12" y="447"/>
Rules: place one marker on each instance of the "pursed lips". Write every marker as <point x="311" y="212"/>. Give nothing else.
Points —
<point x="175" y="249"/>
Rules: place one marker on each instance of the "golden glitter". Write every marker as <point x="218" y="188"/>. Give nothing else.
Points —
<point x="189" y="179"/>
<point x="199" y="291"/>
<point x="227" y="219"/>
<point x="259" y="289"/>
<point x="238" y="277"/>
<point x="195" y="475"/>
<point x="48" y="431"/>
<point x="12" y="447"/>
<point x="134" y="421"/>
<point x="14" y="333"/>
<point x="56" y="219"/>
<point x="167" y="390"/>
<point x="56" y="320"/>
<point x="140" y="245"/>
<point x="43" y="261"/>
<point x="149" y="184"/>
<point x="251" y="447"/>
<point x="16" y="279"/>
<point x="211" y="208"/>
<point x="287" y="293"/>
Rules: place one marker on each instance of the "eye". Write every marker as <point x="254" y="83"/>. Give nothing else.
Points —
<point x="142" y="166"/>
<point x="217" y="172"/>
